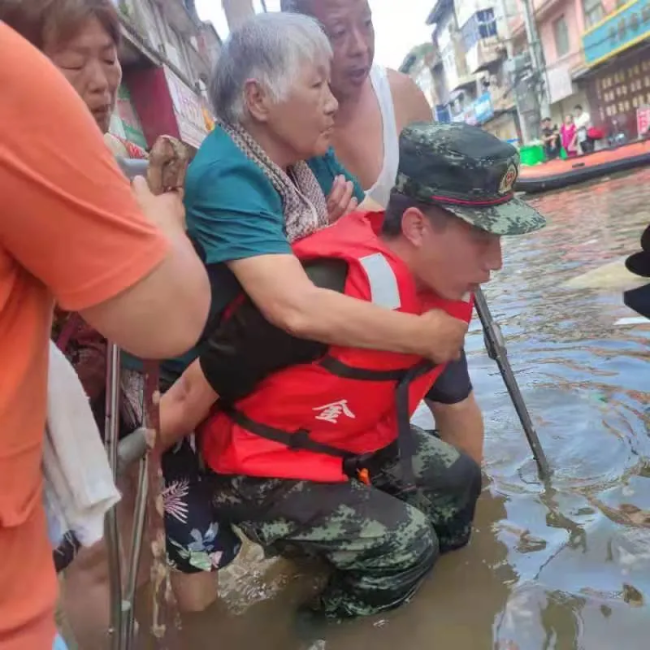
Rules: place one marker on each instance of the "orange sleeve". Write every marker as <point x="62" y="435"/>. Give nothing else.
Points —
<point x="67" y="213"/>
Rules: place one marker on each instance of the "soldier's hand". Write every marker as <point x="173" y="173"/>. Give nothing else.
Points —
<point x="443" y="336"/>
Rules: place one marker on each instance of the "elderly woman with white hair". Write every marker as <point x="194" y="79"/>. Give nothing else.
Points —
<point x="260" y="181"/>
<point x="263" y="178"/>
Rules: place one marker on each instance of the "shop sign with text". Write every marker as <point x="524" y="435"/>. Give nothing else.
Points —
<point x="188" y="110"/>
<point x="625" y="27"/>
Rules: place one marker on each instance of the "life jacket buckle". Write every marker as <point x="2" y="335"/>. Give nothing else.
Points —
<point x="364" y="476"/>
<point x="357" y="467"/>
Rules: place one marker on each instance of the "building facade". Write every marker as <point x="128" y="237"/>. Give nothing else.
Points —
<point x="419" y="64"/>
<point x="616" y="77"/>
<point x="473" y="50"/>
<point x="167" y="58"/>
<point x="560" y="24"/>
<point x="597" y="54"/>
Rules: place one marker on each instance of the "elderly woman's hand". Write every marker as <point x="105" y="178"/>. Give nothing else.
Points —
<point x="340" y="201"/>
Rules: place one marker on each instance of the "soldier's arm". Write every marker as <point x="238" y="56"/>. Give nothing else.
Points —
<point x="459" y="420"/>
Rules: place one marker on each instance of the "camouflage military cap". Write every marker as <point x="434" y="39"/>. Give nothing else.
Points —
<point x="467" y="171"/>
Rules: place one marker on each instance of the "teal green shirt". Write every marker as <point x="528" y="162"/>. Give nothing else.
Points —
<point x="234" y="212"/>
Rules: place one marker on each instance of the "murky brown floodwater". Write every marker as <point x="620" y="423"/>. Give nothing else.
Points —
<point x="561" y="568"/>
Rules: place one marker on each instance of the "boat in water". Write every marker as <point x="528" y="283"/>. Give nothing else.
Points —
<point x="557" y="174"/>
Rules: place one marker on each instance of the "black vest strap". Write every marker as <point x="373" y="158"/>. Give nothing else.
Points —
<point x="353" y="465"/>
<point x="405" y="439"/>
<point x="341" y="369"/>
<point x="297" y="440"/>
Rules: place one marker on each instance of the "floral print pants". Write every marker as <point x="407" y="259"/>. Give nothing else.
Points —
<point x="196" y="540"/>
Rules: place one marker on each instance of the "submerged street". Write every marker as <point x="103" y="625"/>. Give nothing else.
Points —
<point x="561" y="568"/>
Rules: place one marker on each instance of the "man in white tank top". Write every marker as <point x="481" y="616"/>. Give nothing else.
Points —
<point x="375" y="104"/>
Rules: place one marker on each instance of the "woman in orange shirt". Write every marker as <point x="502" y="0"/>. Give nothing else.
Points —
<point x="82" y="38"/>
<point x="71" y="231"/>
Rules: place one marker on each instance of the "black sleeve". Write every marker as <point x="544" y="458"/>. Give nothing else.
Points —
<point x="453" y="385"/>
<point x="245" y="348"/>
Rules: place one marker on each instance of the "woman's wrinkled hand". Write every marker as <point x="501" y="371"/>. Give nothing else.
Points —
<point x="341" y="200"/>
<point x="442" y="336"/>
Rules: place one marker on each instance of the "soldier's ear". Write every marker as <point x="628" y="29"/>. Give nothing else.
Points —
<point x="414" y="225"/>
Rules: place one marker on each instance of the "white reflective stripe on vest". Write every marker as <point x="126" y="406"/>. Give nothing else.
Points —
<point x="384" y="290"/>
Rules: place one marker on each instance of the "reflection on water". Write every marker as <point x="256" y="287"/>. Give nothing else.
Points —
<point x="562" y="568"/>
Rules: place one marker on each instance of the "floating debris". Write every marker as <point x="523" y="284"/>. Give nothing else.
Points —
<point x="632" y="596"/>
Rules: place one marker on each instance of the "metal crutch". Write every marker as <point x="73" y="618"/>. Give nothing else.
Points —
<point x="134" y="449"/>
<point x="111" y="427"/>
<point x="497" y="351"/>
<point x="136" y="552"/>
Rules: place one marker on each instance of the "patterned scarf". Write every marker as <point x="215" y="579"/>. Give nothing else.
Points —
<point x="305" y="206"/>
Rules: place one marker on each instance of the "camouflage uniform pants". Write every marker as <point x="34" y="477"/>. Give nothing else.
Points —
<point x="380" y="541"/>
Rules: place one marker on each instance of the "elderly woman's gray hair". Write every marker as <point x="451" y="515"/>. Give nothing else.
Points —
<point x="269" y="48"/>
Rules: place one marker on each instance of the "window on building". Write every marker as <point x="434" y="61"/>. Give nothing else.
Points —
<point x="561" y="32"/>
<point x="512" y="9"/>
<point x="487" y="24"/>
<point x="469" y="33"/>
<point x="480" y="25"/>
<point x="593" y="11"/>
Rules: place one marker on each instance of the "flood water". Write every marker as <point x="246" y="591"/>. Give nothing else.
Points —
<point x="561" y="567"/>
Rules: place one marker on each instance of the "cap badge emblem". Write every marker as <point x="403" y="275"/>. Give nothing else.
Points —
<point x="508" y="180"/>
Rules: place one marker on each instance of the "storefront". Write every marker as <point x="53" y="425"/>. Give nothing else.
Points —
<point x="617" y="82"/>
<point x="500" y="122"/>
<point x="483" y="109"/>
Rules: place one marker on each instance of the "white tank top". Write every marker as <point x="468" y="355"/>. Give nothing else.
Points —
<point x="380" y="191"/>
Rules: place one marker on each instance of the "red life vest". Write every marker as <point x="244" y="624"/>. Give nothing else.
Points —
<point x="304" y="421"/>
